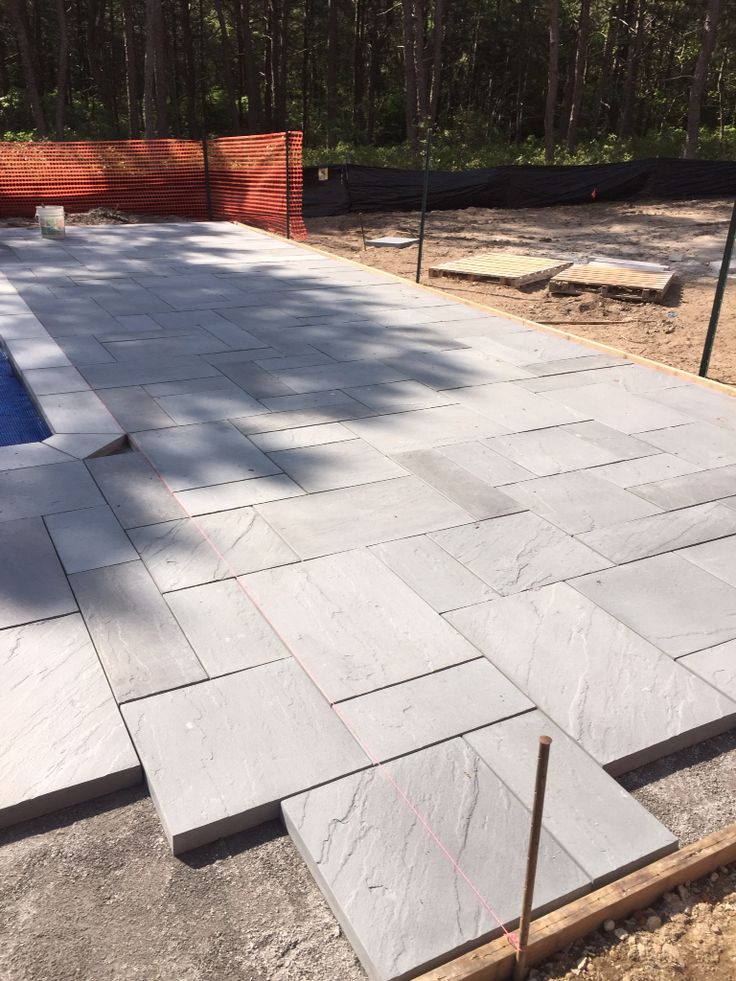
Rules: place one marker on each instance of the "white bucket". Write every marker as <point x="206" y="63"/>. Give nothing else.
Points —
<point x="50" y="220"/>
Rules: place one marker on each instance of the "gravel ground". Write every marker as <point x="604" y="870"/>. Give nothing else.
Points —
<point x="93" y="894"/>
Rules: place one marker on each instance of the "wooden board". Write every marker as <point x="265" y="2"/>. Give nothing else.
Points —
<point x="614" y="281"/>
<point x="494" y="961"/>
<point x="501" y="267"/>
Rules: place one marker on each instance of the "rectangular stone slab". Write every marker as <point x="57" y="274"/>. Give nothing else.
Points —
<point x="662" y="532"/>
<point x="516" y="409"/>
<point x="699" y="442"/>
<point x="342" y="519"/>
<point x="717" y="557"/>
<point x="716" y="665"/>
<point x="401" y="901"/>
<point x="424" y="428"/>
<point x="623" y="700"/>
<point x="133" y="489"/>
<point x="204" y="454"/>
<point x="549" y="451"/>
<point x="224" y="627"/>
<point x="596" y="821"/>
<point x="32" y="582"/>
<point x="138" y="641"/>
<point x="689" y="489"/>
<point x="614" y="406"/>
<point x="45" y="490"/>
<point x="415" y="714"/>
<point x="517" y="552"/>
<point x="354" y="624"/>
<point x="52" y="754"/>
<point x="89" y="539"/>
<point x="670" y="601"/>
<point x="219" y="757"/>
<point x="344" y="464"/>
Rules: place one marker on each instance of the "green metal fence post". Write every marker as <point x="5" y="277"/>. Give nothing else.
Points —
<point x="425" y="194"/>
<point x="718" y="298"/>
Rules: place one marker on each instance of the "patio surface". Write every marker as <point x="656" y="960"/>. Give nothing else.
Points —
<point x="365" y="545"/>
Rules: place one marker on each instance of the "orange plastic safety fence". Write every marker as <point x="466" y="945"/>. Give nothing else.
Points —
<point x="249" y="181"/>
<point x="258" y="180"/>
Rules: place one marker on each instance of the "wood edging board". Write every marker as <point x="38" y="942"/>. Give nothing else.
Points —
<point x="494" y="961"/>
<point x="666" y="369"/>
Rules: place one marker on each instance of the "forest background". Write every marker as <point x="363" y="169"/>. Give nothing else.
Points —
<point x="501" y="81"/>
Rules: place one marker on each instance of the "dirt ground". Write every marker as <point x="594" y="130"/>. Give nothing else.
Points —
<point x="687" y="236"/>
<point x="93" y="894"/>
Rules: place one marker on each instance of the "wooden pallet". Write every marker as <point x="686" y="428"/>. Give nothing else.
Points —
<point x="501" y="267"/>
<point x="614" y="281"/>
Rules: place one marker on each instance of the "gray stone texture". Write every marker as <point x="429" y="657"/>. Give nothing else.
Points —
<point x="690" y="489"/>
<point x="32" y="582"/>
<point x="61" y="737"/>
<point x="716" y="557"/>
<point x="34" y="491"/>
<point x="716" y="665"/>
<point x="134" y="491"/>
<point x="219" y="757"/>
<point x="89" y="539"/>
<point x="333" y="465"/>
<point x="618" y="696"/>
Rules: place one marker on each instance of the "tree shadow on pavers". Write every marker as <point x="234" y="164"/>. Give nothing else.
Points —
<point x="73" y="814"/>
<point x="233" y="845"/>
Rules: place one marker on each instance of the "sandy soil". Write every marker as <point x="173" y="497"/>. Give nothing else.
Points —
<point x="687" y="236"/>
<point x="93" y="894"/>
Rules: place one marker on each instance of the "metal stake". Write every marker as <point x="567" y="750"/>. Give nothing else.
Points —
<point x="425" y="193"/>
<point x="288" y="186"/>
<point x="531" y="861"/>
<point x="718" y="298"/>
<point x="362" y="232"/>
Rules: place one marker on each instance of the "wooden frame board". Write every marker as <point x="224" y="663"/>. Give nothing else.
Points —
<point x="501" y="267"/>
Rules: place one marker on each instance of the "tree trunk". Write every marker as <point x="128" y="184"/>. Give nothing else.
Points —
<point x="160" y="71"/>
<point x="410" y="72"/>
<point x="131" y="72"/>
<point x="62" y="69"/>
<point x="633" y="59"/>
<point x="227" y="67"/>
<point x="19" y="15"/>
<point x="553" y="68"/>
<point x="700" y="77"/>
<point x="305" y="73"/>
<point x="439" y="37"/>
<point x="255" y="106"/>
<point x="581" y="58"/>
<point x="332" y="62"/>
<point x="190" y="73"/>
<point x="149" y="71"/>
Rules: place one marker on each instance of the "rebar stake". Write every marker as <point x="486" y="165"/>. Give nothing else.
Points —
<point x="540" y="785"/>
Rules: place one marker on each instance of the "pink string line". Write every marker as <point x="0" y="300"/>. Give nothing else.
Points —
<point x="511" y="937"/>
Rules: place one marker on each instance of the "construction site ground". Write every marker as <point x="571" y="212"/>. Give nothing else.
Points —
<point x="687" y="236"/>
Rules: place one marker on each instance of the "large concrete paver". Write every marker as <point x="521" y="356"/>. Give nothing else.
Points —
<point x="220" y="756"/>
<point x="62" y="738"/>
<point x="32" y="581"/>
<point x="33" y="491"/>
<point x="400" y="899"/>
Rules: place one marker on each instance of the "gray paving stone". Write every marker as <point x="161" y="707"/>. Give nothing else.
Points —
<point x="545" y="452"/>
<point x="224" y="627"/>
<point x="177" y="554"/>
<point x="349" y="375"/>
<point x="424" y="428"/>
<point x="619" y="697"/>
<point x="699" y="442"/>
<point x="614" y="406"/>
<point x="84" y="350"/>
<point x="473" y="494"/>
<point x="54" y="755"/>
<point x="690" y="489"/>
<point x="516" y="409"/>
<point x="716" y="557"/>
<point x="432" y="573"/>
<point x="246" y="542"/>
<point x="668" y="600"/>
<point x="445" y="370"/>
<point x="643" y="537"/>
<point x="32" y="582"/>
<point x="428" y="710"/>
<point x="21" y="455"/>
<point x="580" y="501"/>
<point x="207" y="406"/>
<point x="521" y="551"/>
<point x="255" y="381"/>
<point x="133" y="490"/>
<point x="77" y="412"/>
<point x="647" y="469"/>
<point x="399" y="396"/>
<point x="622" y="446"/>
<point x="83" y="446"/>
<point x="579" y="366"/>
<point x="314" y="400"/>
<point x="601" y="826"/>
<point x="377" y="863"/>
<point x="204" y="454"/>
<point x="332" y="465"/>
<point x="482" y="461"/>
<point x="134" y="409"/>
<point x="47" y="489"/>
<point x="89" y="539"/>
<point x="237" y="494"/>
<point x="716" y="665"/>
<point x="219" y="757"/>
<point x="138" y="640"/>
<point x="366" y="515"/>
<point x="125" y="374"/>
<point x="354" y="624"/>
<point x="36" y="352"/>
<point x="54" y="381"/>
<point x="289" y="439"/>
<point x="187" y="386"/>
<point x="701" y="403"/>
